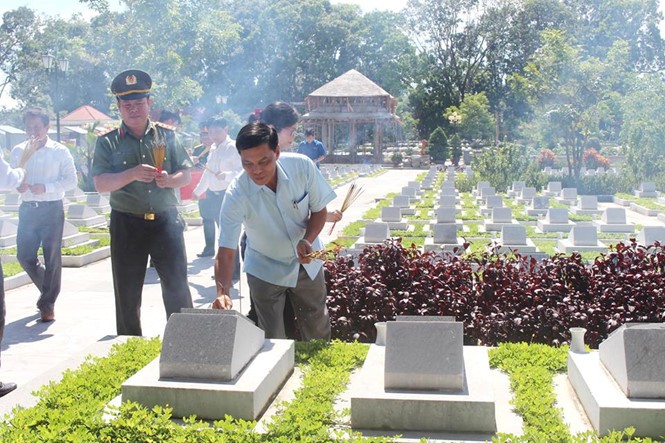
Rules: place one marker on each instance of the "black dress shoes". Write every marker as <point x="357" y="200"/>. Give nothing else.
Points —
<point x="206" y="253"/>
<point x="6" y="388"/>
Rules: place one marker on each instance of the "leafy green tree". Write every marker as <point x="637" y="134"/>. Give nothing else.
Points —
<point x="502" y="165"/>
<point x="438" y="146"/>
<point x="476" y="122"/>
<point x="643" y="130"/>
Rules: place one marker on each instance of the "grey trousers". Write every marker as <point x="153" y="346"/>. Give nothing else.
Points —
<point x="309" y="304"/>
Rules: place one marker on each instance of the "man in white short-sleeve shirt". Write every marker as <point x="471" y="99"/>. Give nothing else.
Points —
<point x="281" y="200"/>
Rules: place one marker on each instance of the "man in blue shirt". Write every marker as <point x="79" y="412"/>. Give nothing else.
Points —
<point x="312" y="148"/>
<point x="281" y="200"/>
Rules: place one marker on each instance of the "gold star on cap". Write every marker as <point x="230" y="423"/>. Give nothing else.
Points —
<point x="132" y="84"/>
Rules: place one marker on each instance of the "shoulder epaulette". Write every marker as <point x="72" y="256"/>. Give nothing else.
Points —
<point x="165" y="126"/>
<point x="106" y="131"/>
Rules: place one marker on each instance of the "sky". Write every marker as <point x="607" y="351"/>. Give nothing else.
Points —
<point x="66" y="8"/>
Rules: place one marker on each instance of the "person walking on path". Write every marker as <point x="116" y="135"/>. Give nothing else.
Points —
<point x="222" y="166"/>
<point x="142" y="163"/>
<point x="312" y="148"/>
<point x="50" y="172"/>
<point x="9" y="179"/>
<point x="281" y="201"/>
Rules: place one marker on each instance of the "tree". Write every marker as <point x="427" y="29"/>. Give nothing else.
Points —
<point x="475" y="120"/>
<point x="643" y="129"/>
<point x="438" y="146"/>
<point x="502" y="165"/>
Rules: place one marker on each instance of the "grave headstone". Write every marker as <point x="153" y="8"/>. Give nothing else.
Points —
<point x="447" y="200"/>
<point x="614" y="216"/>
<point x="651" y="234"/>
<point x="445" y="215"/>
<point x="556" y="215"/>
<point x="583" y="236"/>
<point x="391" y="214"/>
<point x="376" y="232"/>
<point x="209" y="345"/>
<point x="634" y="355"/>
<point x="424" y="355"/>
<point x="513" y="235"/>
<point x="502" y="215"/>
<point x="445" y="233"/>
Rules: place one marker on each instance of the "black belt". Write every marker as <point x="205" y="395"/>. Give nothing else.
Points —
<point x="37" y="204"/>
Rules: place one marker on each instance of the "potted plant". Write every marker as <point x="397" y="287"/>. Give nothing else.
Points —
<point x="396" y="158"/>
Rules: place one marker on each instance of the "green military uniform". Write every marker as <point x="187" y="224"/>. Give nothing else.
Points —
<point x="117" y="151"/>
<point x="144" y="218"/>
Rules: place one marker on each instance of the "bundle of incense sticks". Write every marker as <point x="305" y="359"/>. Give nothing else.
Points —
<point x="351" y="196"/>
<point x="30" y="149"/>
<point x="158" y="151"/>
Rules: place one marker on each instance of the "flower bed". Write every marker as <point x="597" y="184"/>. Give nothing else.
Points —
<point x="499" y="298"/>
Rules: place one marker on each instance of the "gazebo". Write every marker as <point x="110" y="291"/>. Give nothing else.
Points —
<point x="85" y="114"/>
<point x="348" y="111"/>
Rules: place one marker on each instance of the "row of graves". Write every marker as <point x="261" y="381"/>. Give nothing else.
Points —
<point x="418" y="378"/>
<point x="590" y="172"/>
<point x="82" y="210"/>
<point x="333" y="173"/>
<point x="446" y="232"/>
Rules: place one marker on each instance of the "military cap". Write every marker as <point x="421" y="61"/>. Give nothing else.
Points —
<point x="131" y="85"/>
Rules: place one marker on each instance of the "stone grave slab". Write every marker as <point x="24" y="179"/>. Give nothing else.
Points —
<point x="646" y="190"/>
<point x="538" y="206"/>
<point x="484" y="193"/>
<point x="553" y="189"/>
<point x="448" y="201"/>
<point x="424" y="356"/>
<point x="404" y="203"/>
<point x="586" y="205"/>
<point x="71" y="235"/>
<point x="651" y="234"/>
<point x="513" y="239"/>
<point x="526" y="195"/>
<point x="568" y="196"/>
<point x="500" y="218"/>
<point x="414" y="184"/>
<point x="581" y="239"/>
<point x="11" y="203"/>
<point x="246" y="398"/>
<point x="479" y="186"/>
<point x="614" y="220"/>
<point x="8" y="231"/>
<point x="444" y="238"/>
<point x="208" y="344"/>
<point x="516" y="188"/>
<point x="98" y="202"/>
<point x="447" y="215"/>
<point x="634" y="355"/>
<point x="375" y="233"/>
<point x="82" y="215"/>
<point x="393" y="216"/>
<point x="625" y="362"/>
<point x="471" y="410"/>
<point x="75" y="195"/>
<point x="556" y="220"/>
<point x="491" y="202"/>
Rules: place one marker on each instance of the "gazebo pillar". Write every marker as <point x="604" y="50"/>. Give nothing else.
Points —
<point x="353" y="145"/>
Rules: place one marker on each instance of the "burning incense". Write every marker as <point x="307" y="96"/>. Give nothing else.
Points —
<point x="352" y="195"/>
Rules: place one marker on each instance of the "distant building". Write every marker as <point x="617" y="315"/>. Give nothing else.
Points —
<point x="354" y="109"/>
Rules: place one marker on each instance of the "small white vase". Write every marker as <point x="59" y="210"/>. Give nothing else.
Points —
<point x="380" y="333"/>
<point x="577" y="340"/>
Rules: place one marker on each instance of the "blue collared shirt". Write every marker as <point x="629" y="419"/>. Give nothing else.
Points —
<point x="275" y="221"/>
<point x="52" y="165"/>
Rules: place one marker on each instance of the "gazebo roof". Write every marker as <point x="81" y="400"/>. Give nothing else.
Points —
<point x="85" y="114"/>
<point x="350" y="84"/>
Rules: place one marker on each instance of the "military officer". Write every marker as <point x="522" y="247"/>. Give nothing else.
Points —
<point x="142" y="164"/>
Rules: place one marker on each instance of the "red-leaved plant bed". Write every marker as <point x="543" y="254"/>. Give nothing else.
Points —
<point x="499" y="298"/>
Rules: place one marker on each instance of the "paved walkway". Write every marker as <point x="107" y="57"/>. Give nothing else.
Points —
<point x="34" y="352"/>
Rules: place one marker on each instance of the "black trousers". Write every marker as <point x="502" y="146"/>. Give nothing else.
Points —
<point x="132" y="240"/>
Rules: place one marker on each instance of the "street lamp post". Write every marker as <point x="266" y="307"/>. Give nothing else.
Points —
<point x="55" y="70"/>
